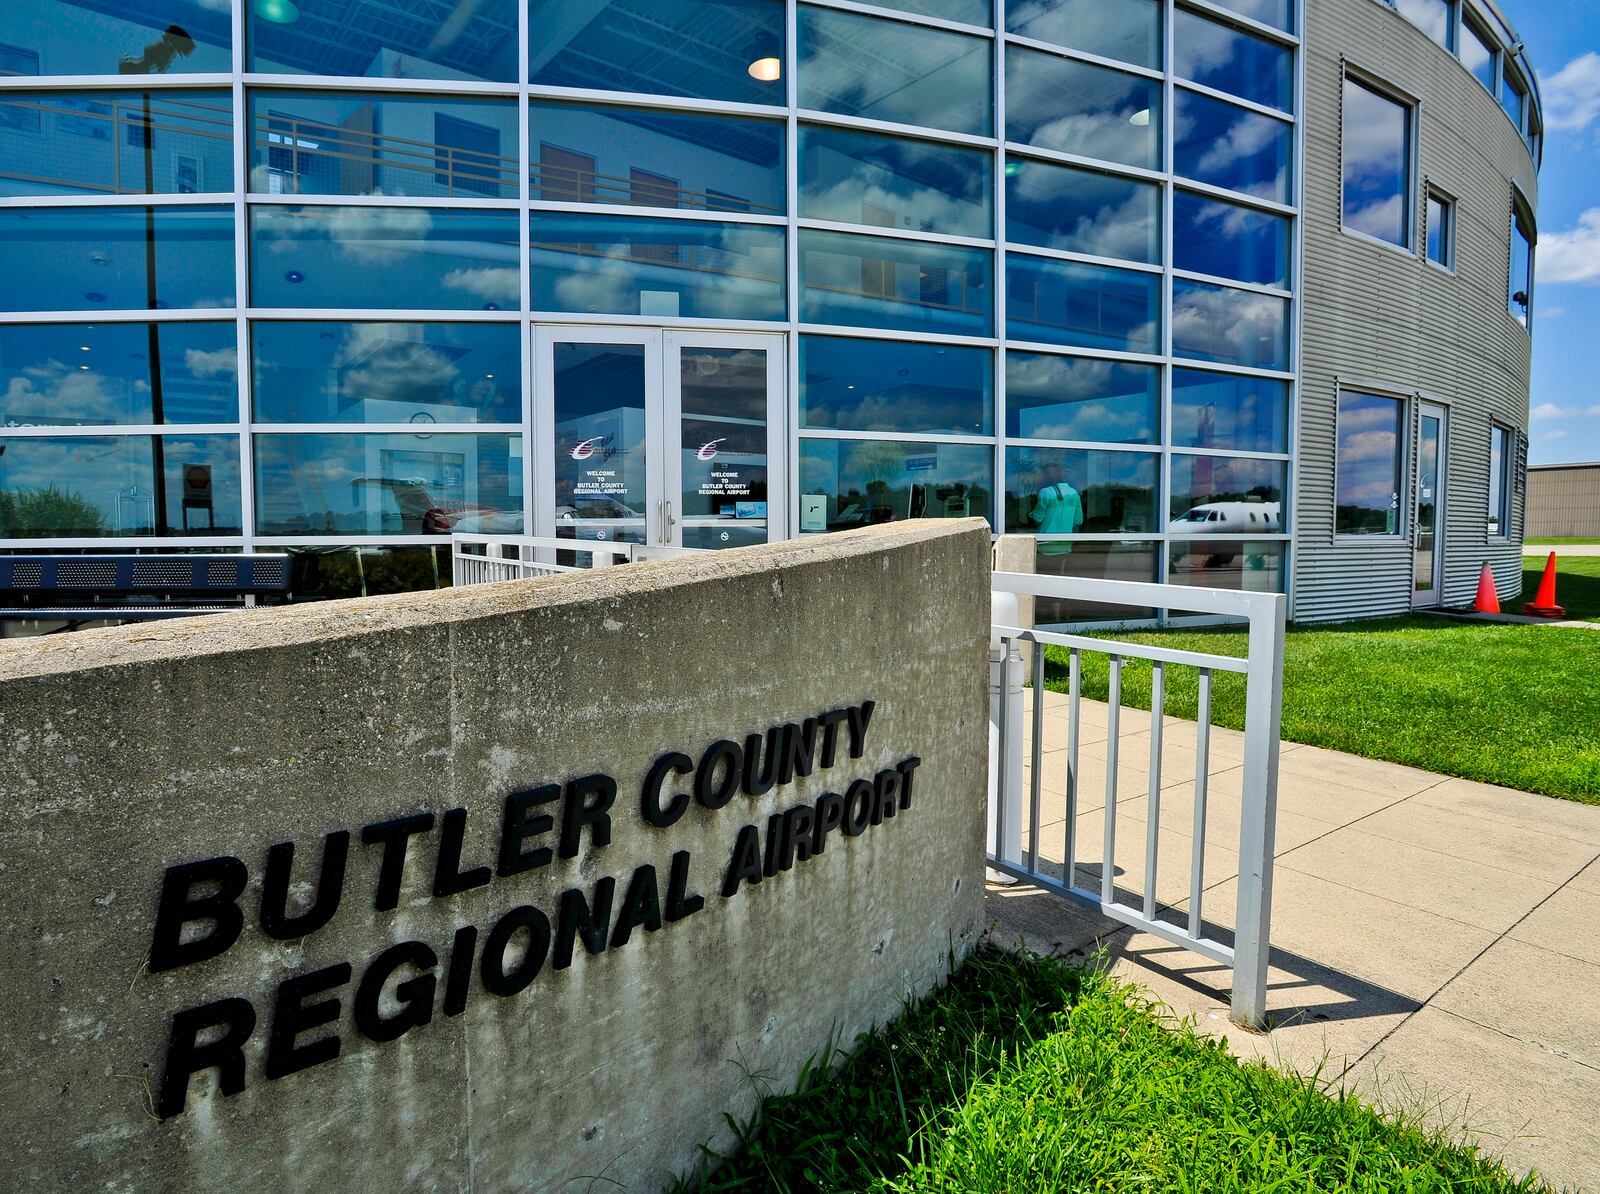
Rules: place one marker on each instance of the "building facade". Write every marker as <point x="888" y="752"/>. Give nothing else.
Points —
<point x="342" y="276"/>
<point x="1564" y="501"/>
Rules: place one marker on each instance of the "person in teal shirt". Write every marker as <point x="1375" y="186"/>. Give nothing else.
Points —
<point x="1059" y="511"/>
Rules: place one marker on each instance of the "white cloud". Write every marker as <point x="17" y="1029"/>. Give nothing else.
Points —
<point x="1574" y="255"/>
<point x="1549" y="410"/>
<point x="1572" y="94"/>
<point x="1593" y="410"/>
<point x="1552" y="312"/>
<point x="1552" y="435"/>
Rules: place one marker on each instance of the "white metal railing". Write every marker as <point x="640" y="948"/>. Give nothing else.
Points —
<point x="1010" y="805"/>
<point x="483" y="559"/>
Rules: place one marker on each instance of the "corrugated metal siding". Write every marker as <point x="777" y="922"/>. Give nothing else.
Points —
<point x="1564" y="502"/>
<point x="1377" y="316"/>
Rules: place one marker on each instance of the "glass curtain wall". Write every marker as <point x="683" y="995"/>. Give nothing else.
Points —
<point x="1034" y="260"/>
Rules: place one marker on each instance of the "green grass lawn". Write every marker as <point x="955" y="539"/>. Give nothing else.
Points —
<point x="1577" y="585"/>
<point x="1027" y="1076"/>
<point x="1511" y="705"/>
<point x="1559" y="542"/>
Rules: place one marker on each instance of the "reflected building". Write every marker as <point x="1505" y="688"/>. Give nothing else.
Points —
<point x="1184" y="291"/>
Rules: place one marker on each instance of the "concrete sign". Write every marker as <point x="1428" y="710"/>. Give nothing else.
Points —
<point x="501" y="887"/>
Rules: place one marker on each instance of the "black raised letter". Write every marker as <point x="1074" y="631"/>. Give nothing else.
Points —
<point x="415" y="993"/>
<point x="178" y="906"/>
<point x="905" y="768"/>
<point x="394" y="835"/>
<point x="830" y="815"/>
<point x="517" y="826"/>
<point x="760" y="785"/>
<point x="707" y="790"/>
<point x="448" y="877"/>
<point x="185" y="1057"/>
<point x="641" y="906"/>
<point x="680" y="902"/>
<point x="860" y="719"/>
<point x="887" y="784"/>
<point x="655" y="813"/>
<point x="745" y="865"/>
<point x="800" y="750"/>
<point x="460" y="976"/>
<point x="576" y="917"/>
<point x="858" y="800"/>
<point x="275" y="918"/>
<point x="797" y="823"/>
<point x="578" y="812"/>
<point x="293" y="1015"/>
<point x="830" y="735"/>
<point x="493" y="967"/>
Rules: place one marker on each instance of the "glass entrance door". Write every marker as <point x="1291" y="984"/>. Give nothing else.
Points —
<point x="1428" y="536"/>
<point x="669" y="439"/>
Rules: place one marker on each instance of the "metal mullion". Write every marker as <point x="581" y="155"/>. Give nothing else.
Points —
<point x="896" y="436"/>
<point x="1240" y="197"/>
<point x="1297" y="311"/>
<point x="903" y="17"/>
<point x="196" y="82"/>
<point x="936" y="238"/>
<point x="245" y="371"/>
<point x="1099" y="165"/>
<point x="1168" y="202"/>
<point x="1190" y="275"/>
<point x="1141" y="267"/>
<point x="122" y="544"/>
<point x="422" y="429"/>
<point x="674" y="103"/>
<point x="917" y="337"/>
<point x="193" y="315"/>
<point x="895" y="129"/>
<point x="1239" y="370"/>
<point x="1237" y="101"/>
<point x="1023" y="441"/>
<point x="793" y="296"/>
<point x="1249" y="24"/>
<point x="261" y="199"/>
<point x="1101" y="354"/>
<point x="374" y="315"/>
<point x="1183" y="450"/>
<point x="269" y="541"/>
<point x="532" y="468"/>
<point x="669" y="322"/>
<point x="120" y="199"/>
<point x="667" y="213"/>
<point x="115" y="430"/>
<point x="363" y="83"/>
<point x="1022" y="41"/>
<point x="997" y="66"/>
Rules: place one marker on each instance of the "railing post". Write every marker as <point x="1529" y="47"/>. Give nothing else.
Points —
<point x="1258" y="816"/>
<point x="1005" y="734"/>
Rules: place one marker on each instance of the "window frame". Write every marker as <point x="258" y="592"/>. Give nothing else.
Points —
<point x="1507" y="464"/>
<point x="1403" y="463"/>
<point x="1452" y="206"/>
<point x="1468" y="21"/>
<point x="1521" y="220"/>
<point x="1412" y="106"/>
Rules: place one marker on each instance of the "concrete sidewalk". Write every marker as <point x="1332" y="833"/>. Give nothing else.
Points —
<point x="1571" y="549"/>
<point x="1436" y="941"/>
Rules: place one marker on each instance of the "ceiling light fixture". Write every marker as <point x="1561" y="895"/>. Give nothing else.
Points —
<point x="766" y="70"/>
<point x="279" y="12"/>
<point x="1140" y="119"/>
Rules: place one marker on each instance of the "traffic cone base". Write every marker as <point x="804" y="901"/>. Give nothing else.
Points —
<point x="1488" y="601"/>
<point x="1544" y="604"/>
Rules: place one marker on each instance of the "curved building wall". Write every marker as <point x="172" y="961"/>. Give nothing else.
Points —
<point x="1388" y="322"/>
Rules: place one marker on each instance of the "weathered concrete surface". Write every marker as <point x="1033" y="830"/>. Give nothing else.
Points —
<point x="127" y="751"/>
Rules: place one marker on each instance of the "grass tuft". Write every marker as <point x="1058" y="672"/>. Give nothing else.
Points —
<point x="1027" y="1075"/>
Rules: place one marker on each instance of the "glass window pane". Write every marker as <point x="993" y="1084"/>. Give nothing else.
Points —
<point x="97" y="258"/>
<point x="352" y="484"/>
<point x="884" y="385"/>
<point x="1377" y="164"/>
<point x="1227" y="564"/>
<point x="876" y="282"/>
<point x="1441" y="212"/>
<point x="1070" y="491"/>
<point x="1228" y="240"/>
<point x="968" y="12"/>
<point x="1082" y="211"/>
<point x="895" y="182"/>
<point x="385" y="257"/>
<point x="1232" y="327"/>
<point x="76" y="375"/>
<point x="1080" y="398"/>
<point x="1513" y="97"/>
<point x="1368" y="498"/>
<point x="1093" y="561"/>
<point x="1521" y="297"/>
<point x="1127" y="30"/>
<point x="622" y="265"/>
<point x="1229" y="146"/>
<point x="1227" y="495"/>
<point x="858" y="483"/>
<point x="862" y="66"/>
<point x="1499" y="455"/>
<point x="89" y="37"/>
<point x="1229" y="411"/>
<point x="1078" y="108"/>
<point x="708" y="49"/>
<point x="1433" y="16"/>
<point x="387" y="372"/>
<point x="1081" y="305"/>
<point x="103" y="487"/>
<point x="368" y="143"/>
<point x="1277" y="13"/>
<point x="1225" y="58"/>
<point x="451" y="39"/>
<point x="115" y="142"/>
<point x="1477" y="54"/>
<point x="599" y="401"/>
<point x="328" y="573"/>
<point x="582" y="153"/>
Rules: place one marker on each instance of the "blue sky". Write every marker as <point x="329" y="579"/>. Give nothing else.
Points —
<point x="1563" y="39"/>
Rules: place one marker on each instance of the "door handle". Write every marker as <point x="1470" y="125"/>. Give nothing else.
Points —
<point x="658" y="520"/>
<point x="666" y="527"/>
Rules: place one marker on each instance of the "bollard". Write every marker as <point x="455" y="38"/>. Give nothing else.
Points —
<point x="1005" y="748"/>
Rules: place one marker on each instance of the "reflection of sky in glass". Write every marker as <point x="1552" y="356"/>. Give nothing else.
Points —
<point x="1232" y="327"/>
<point x="1227" y="59"/>
<point x="387" y="372"/>
<point x="968" y="12"/>
<point x="1207" y="563"/>
<point x="873" y="481"/>
<point x="1117" y="489"/>
<point x="1521" y="271"/>
<point x="894" y="182"/>
<point x="879" y="385"/>
<point x="1368" y="464"/>
<point x="1228" y="146"/>
<point x="100" y="487"/>
<point x="1127" y="30"/>
<point x="1513" y="98"/>
<point x="73" y="375"/>
<point x="1075" y="107"/>
<point x="1082" y="306"/>
<point x="1227" y="240"/>
<point x="1081" y="398"/>
<point x="1277" y="13"/>
<point x="1432" y="15"/>
<point x="1377" y="164"/>
<point x="1477" y="55"/>
<point x="861" y="66"/>
<point x="1082" y="211"/>
<point x="870" y="281"/>
<point x="1229" y="411"/>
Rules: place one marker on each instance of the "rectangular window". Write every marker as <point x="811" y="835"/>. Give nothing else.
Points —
<point x="1229" y="411"/>
<point x="1477" y="53"/>
<point x="857" y="483"/>
<point x="1368" y="475"/>
<point x="1055" y="397"/>
<point x="1377" y="164"/>
<point x="1514" y="98"/>
<point x="334" y="37"/>
<point x="1067" y="491"/>
<point x="1500" y="458"/>
<point x="91" y="37"/>
<point x="1082" y="306"/>
<point x="906" y="285"/>
<point x="1435" y="17"/>
<point x="1232" y="147"/>
<point x="856" y="177"/>
<point x="1441" y="230"/>
<point x="1127" y="30"/>
<point x="1227" y="240"/>
<point x="1082" y="211"/>
<point x="1078" y="108"/>
<point x="1225" y="58"/>
<point x="882" y="385"/>
<point x="1277" y="13"/>
<point x="1520" y="292"/>
<point x="1231" y="327"/>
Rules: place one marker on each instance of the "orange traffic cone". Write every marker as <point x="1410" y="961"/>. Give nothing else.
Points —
<point x="1544" y="604"/>
<point x="1488" y="601"/>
